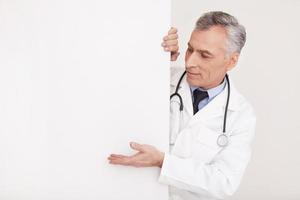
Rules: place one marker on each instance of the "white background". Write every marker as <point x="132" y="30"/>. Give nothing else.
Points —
<point x="268" y="75"/>
<point x="80" y="80"/>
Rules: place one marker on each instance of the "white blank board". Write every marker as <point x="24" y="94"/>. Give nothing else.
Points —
<point x="80" y="80"/>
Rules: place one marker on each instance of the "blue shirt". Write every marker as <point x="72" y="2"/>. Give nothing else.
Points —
<point x="212" y="93"/>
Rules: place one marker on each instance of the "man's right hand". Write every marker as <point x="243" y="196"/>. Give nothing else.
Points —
<point x="170" y="43"/>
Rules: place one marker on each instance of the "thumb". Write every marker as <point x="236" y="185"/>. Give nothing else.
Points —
<point x="136" y="146"/>
<point x="174" y="56"/>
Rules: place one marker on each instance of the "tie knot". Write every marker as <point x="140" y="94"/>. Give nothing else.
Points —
<point x="198" y="96"/>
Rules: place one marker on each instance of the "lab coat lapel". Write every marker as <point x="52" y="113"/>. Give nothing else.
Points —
<point x="216" y="107"/>
<point x="213" y="109"/>
<point x="187" y="98"/>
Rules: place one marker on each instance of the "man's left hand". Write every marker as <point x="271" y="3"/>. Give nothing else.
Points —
<point x="147" y="156"/>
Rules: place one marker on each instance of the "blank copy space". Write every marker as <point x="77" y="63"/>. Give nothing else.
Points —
<point x="80" y="80"/>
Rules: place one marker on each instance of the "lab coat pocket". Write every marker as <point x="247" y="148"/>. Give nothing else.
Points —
<point x="205" y="144"/>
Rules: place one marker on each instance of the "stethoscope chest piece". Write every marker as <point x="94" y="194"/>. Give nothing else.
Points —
<point x="222" y="140"/>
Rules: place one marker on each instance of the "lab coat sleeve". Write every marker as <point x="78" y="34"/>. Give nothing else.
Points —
<point x="221" y="176"/>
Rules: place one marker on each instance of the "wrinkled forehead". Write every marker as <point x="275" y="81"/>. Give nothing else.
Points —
<point x="213" y="39"/>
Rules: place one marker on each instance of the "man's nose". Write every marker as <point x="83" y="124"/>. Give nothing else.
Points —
<point x="192" y="61"/>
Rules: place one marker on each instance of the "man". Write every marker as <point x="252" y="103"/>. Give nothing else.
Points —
<point x="199" y="165"/>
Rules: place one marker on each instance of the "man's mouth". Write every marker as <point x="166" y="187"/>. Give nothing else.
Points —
<point x="193" y="74"/>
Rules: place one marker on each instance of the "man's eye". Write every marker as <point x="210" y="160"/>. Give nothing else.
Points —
<point x="204" y="56"/>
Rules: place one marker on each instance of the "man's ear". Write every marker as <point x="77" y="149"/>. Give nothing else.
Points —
<point x="233" y="59"/>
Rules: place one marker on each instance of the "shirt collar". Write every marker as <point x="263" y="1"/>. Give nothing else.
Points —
<point x="212" y="92"/>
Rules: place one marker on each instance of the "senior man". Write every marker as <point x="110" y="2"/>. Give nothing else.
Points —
<point x="211" y="124"/>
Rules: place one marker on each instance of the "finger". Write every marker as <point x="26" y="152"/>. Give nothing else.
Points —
<point x="136" y="146"/>
<point x="172" y="30"/>
<point x="117" y="156"/>
<point x="127" y="161"/>
<point x="113" y="158"/>
<point x="120" y="161"/>
<point x="171" y="48"/>
<point x="171" y="42"/>
<point x="170" y="37"/>
<point x="135" y="161"/>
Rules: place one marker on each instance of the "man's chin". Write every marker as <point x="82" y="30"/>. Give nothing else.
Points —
<point x="193" y="82"/>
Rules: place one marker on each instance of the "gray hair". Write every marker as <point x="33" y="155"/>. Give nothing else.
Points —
<point x="236" y="33"/>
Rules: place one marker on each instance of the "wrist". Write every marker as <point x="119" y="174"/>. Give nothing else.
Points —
<point x="160" y="159"/>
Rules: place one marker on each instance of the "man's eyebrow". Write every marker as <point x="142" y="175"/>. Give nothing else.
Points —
<point x="189" y="45"/>
<point x="201" y="50"/>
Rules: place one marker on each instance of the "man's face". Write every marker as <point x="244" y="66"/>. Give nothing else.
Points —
<point x="206" y="61"/>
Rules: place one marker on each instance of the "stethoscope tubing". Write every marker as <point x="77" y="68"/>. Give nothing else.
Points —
<point x="223" y="136"/>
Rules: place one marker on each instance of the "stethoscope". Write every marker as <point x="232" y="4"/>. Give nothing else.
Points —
<point x="222" y="139"/>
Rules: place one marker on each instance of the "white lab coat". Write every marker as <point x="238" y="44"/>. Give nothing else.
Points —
<point x="196" y="167"/>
